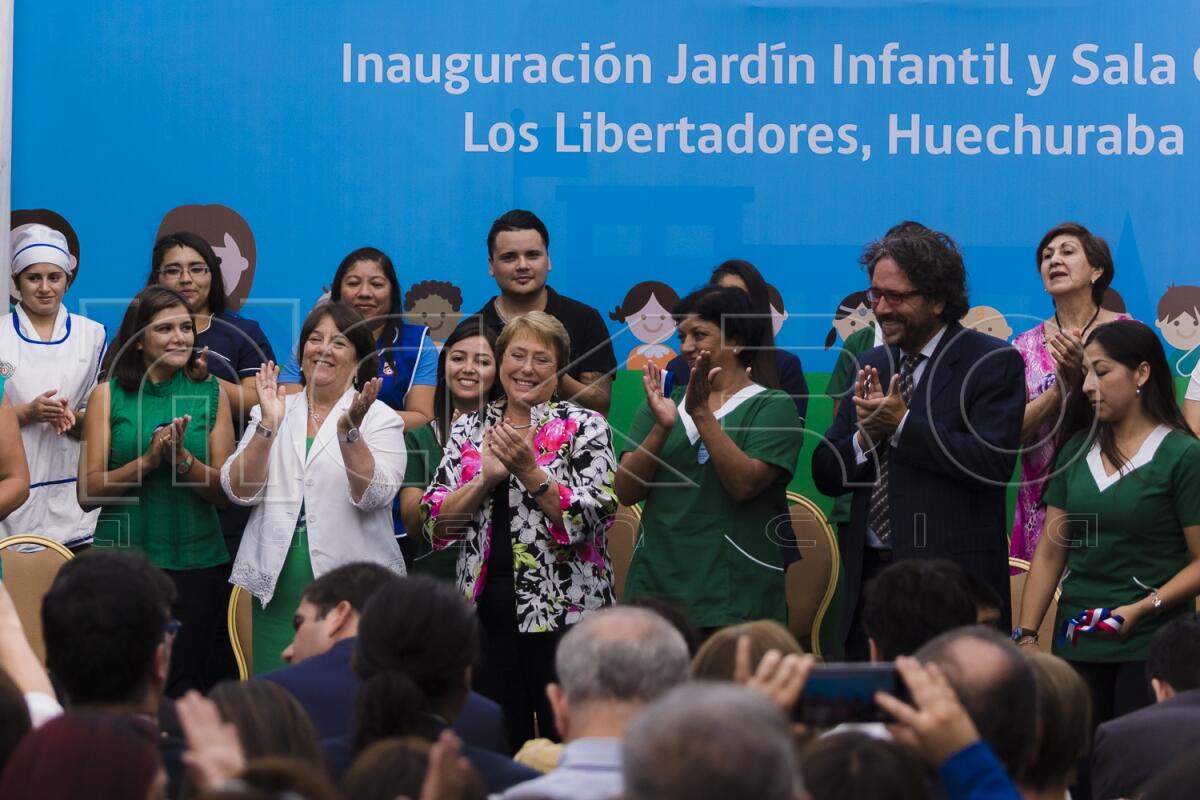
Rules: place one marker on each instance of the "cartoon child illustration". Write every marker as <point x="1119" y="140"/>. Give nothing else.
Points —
<point x="778" y="314"/>
<point x="1113" y="301"/>
<point x="986" y="319"/>
<point x="20" y="218"/>
<point x="647" y="310"/>
<point x="436" y="305"/>
<point x="231" y="239"/>
<point x="1178" y="319"/>
<point x="852" y="315"/>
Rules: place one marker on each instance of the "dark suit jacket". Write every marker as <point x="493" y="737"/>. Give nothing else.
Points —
<point x="949" y="466"/>
<point x="1130" y="750"/>
<point x="327" y="688"/>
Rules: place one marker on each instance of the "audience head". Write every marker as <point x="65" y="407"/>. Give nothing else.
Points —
<point x="14" y="718"/>
<point x="722" y="320"/>
<point x="995" y="684"/>
<point x="855" y="765"/>
<point x="336" y="348"/>
<point x="269" y="720"/>
<point x="519" y="253"/>
<point x="186" y="263"/>
<point x="988" y="603"/>
<point x="466" y="374"/>
<point x="531" y="350"/>
<point x="417" y="642"/>
<point x="913" y="601"/>
<point x="716" y="658"/>
<point x="393" y="768"/>
<point x="1065" y="722"/>
<point x="290" y="778"/>
<point x="1071" y="258"/>
<point x="1173" y="664"/>
<point x="611" y="664"/>
<point x="673" y="614"/>
<point x="330" y="608"/>
<point x="158" y="330"/>
<point x="918" y="283"/>
<point x="366" y="281"/>
<point x="105" y="622"/>
<point x="739" y="274"/>
<point x="86" y="755"/>
<point x="714" y="741"/>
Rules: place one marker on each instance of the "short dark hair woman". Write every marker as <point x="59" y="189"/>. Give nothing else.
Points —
<point x="712" y="463"/>
<point x="156" y="433"/>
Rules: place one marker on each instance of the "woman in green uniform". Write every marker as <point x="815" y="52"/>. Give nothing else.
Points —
<point x="1122" y="517"/>
<point x="712" y="463"/>
<point x="153" y="442"/>
<point x="466" y="382"/>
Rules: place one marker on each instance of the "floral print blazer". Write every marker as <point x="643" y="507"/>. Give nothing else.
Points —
<point x="560" y="572"/>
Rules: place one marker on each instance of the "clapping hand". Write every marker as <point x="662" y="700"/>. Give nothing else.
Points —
<point x="1066" y="347"/>
<point x="936" y="725"/>
<point x="359" y="405"/>
<point x="662" y="407"/>
<point x="43" y="408"/>
<point x="491" y="467"/>
<point x="176" y="451"/>
<point x="214" y="753"/>
<point x="200" y="368"/>
<point x="878" y="414"/>
<point x="272" y="397"/>
<point x="513" y="447"/>
<point x="65" y="420"/>
<point x="699" y="387"/>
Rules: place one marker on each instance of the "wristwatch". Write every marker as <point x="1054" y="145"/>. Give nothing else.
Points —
<point x="1020" y="633"/>
<point x="265" y="433"/>
<point x="542" y="488"/>
<point x="350" y="437"/>
<point x="183" y="466"/>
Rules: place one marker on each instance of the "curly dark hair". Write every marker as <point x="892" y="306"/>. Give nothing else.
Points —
<point x="930" y="260"/>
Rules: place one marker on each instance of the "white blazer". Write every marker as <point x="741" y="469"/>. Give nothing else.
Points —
<point x="339" y="530"/>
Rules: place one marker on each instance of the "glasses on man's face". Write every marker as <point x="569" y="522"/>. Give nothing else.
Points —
<point x="172" y="629"/>
<point x="194" y="270"/>
<point x="894" y="298"/>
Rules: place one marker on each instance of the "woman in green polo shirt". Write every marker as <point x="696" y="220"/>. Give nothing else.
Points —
<point x="466" y="382"/>
<point x="1122" y="517"/>
<point x="712" y="463"/>
<point x="154" y="440"/>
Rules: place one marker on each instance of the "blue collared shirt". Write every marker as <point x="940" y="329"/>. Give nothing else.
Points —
<point x="590" y="769"/>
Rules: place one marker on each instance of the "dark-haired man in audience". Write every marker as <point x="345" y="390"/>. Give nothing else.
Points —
<point x="107" y="626"/>
<point x="927" y="439"/>
<point x="911" y="602"/>
<point x="1130" y="750"/>
<point x="320" y="675"/>
<point x="518" y="247"/>
<point x="609" y="666"/>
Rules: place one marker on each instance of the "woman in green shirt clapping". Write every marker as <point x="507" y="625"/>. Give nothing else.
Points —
<point x="151" y="438"/>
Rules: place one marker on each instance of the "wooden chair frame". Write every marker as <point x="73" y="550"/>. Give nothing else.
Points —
<point x="835" y="566"/>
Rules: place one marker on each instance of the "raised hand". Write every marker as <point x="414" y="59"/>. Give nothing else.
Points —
<point x="176" y="451"/>
<point x="272" y="398"/>
<point x="359" y="405"/>
<point x="699" y="387"/>
<point x="201" y="367"/>
<point x="662" y="407"/>
<point x="936" y="725"/>
<point x="214" y="755"/>
<point x="1066" y="348"/>
<point x="879" y="414"/>
<point x="158" y="448"/>
<point x="781" y="678"/>
<point x="513" y="447"/>
<point x="491" y="467"/>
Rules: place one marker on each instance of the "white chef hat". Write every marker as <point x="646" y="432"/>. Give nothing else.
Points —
<point x="39" y="244"/>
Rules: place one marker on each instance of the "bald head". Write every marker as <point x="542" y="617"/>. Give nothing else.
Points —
<point x="620" y="654"/>
<point x="995" y="684"/>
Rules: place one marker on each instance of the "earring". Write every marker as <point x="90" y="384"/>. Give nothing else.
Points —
<point x="1138" y="390"/>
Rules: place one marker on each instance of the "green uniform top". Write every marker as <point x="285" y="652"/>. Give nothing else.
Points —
<point x="424" y="455"/>
<point x="163" y="517"/>
<point x="841" y="381"/>
<point x="715" y="557"/>
<point x="1123" y="529"/>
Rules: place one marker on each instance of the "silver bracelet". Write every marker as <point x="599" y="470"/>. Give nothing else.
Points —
<point x="265" y="433"/>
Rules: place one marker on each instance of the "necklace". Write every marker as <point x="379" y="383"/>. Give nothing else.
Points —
<point x="1085" y="327"/>
<point x="526" y="426"/>
<point x="318" y="418"/>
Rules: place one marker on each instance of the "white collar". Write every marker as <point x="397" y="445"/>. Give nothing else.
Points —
<point x="1141" y="458"/>
<point x="931" y="346"/>
<point x="739" y="397"/>
<point x="30" y="332"/>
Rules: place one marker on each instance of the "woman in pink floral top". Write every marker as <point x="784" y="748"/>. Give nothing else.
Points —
<point x="1076" y="269"/>
<point x="525" y="490"/>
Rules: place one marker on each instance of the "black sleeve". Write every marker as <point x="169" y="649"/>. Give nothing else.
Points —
<point x="791" y="380"/>
<point x="594" y="351"/>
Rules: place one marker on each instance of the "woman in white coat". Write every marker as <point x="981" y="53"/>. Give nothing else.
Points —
<point x="320" y="468"/>
<point x="51" y="359"/>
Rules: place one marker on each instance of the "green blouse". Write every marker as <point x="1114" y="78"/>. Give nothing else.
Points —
<point x="1123" y="530"/>
<point x="424" y="455"/>
<point x="716" y="558"/>
<point x="163" y="517"/>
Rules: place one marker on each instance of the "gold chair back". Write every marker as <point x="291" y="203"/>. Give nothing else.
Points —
<point x="812" y="581"/>
<point x="28" y="576"/>
<point x="239" y="622"/>
<point x="621" y="541"/>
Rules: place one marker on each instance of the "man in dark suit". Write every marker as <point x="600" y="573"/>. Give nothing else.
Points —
<point x="320" y="674"/>
<point x="929" y="438"/>
<point x="1130" y="750"/>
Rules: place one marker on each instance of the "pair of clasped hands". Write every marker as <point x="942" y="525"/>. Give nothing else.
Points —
<point x="878" y="414"/>
<point x="54" y="411"/>
<point x="507" y="450"/>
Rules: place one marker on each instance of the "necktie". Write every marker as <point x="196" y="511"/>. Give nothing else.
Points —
<point x="879" y="515"/>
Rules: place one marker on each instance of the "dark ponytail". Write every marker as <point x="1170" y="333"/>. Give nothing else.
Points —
<point x="416" y="639"/>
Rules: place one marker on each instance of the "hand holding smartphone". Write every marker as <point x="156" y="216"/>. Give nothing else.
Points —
<point x="839" y="693"/>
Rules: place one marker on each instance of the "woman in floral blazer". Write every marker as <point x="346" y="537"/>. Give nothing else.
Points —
<point x="525" y="490"/>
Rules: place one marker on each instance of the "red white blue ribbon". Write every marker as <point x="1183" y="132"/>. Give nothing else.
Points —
<point x="1092" y="621"/>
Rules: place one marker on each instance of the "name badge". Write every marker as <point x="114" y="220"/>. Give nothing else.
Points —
<point x="702" y="454"/>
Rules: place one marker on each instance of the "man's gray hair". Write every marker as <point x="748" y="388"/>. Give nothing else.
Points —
<point x="621" y="654"/>
<point x="711" y="741"/>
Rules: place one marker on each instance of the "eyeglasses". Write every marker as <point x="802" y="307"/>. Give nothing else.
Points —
<point x="172" y="628"/>
<point x="195" y="271"/>
<point x="894" y="298"/>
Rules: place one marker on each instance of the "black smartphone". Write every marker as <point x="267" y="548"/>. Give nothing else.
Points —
<point x="837" y="693"/>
